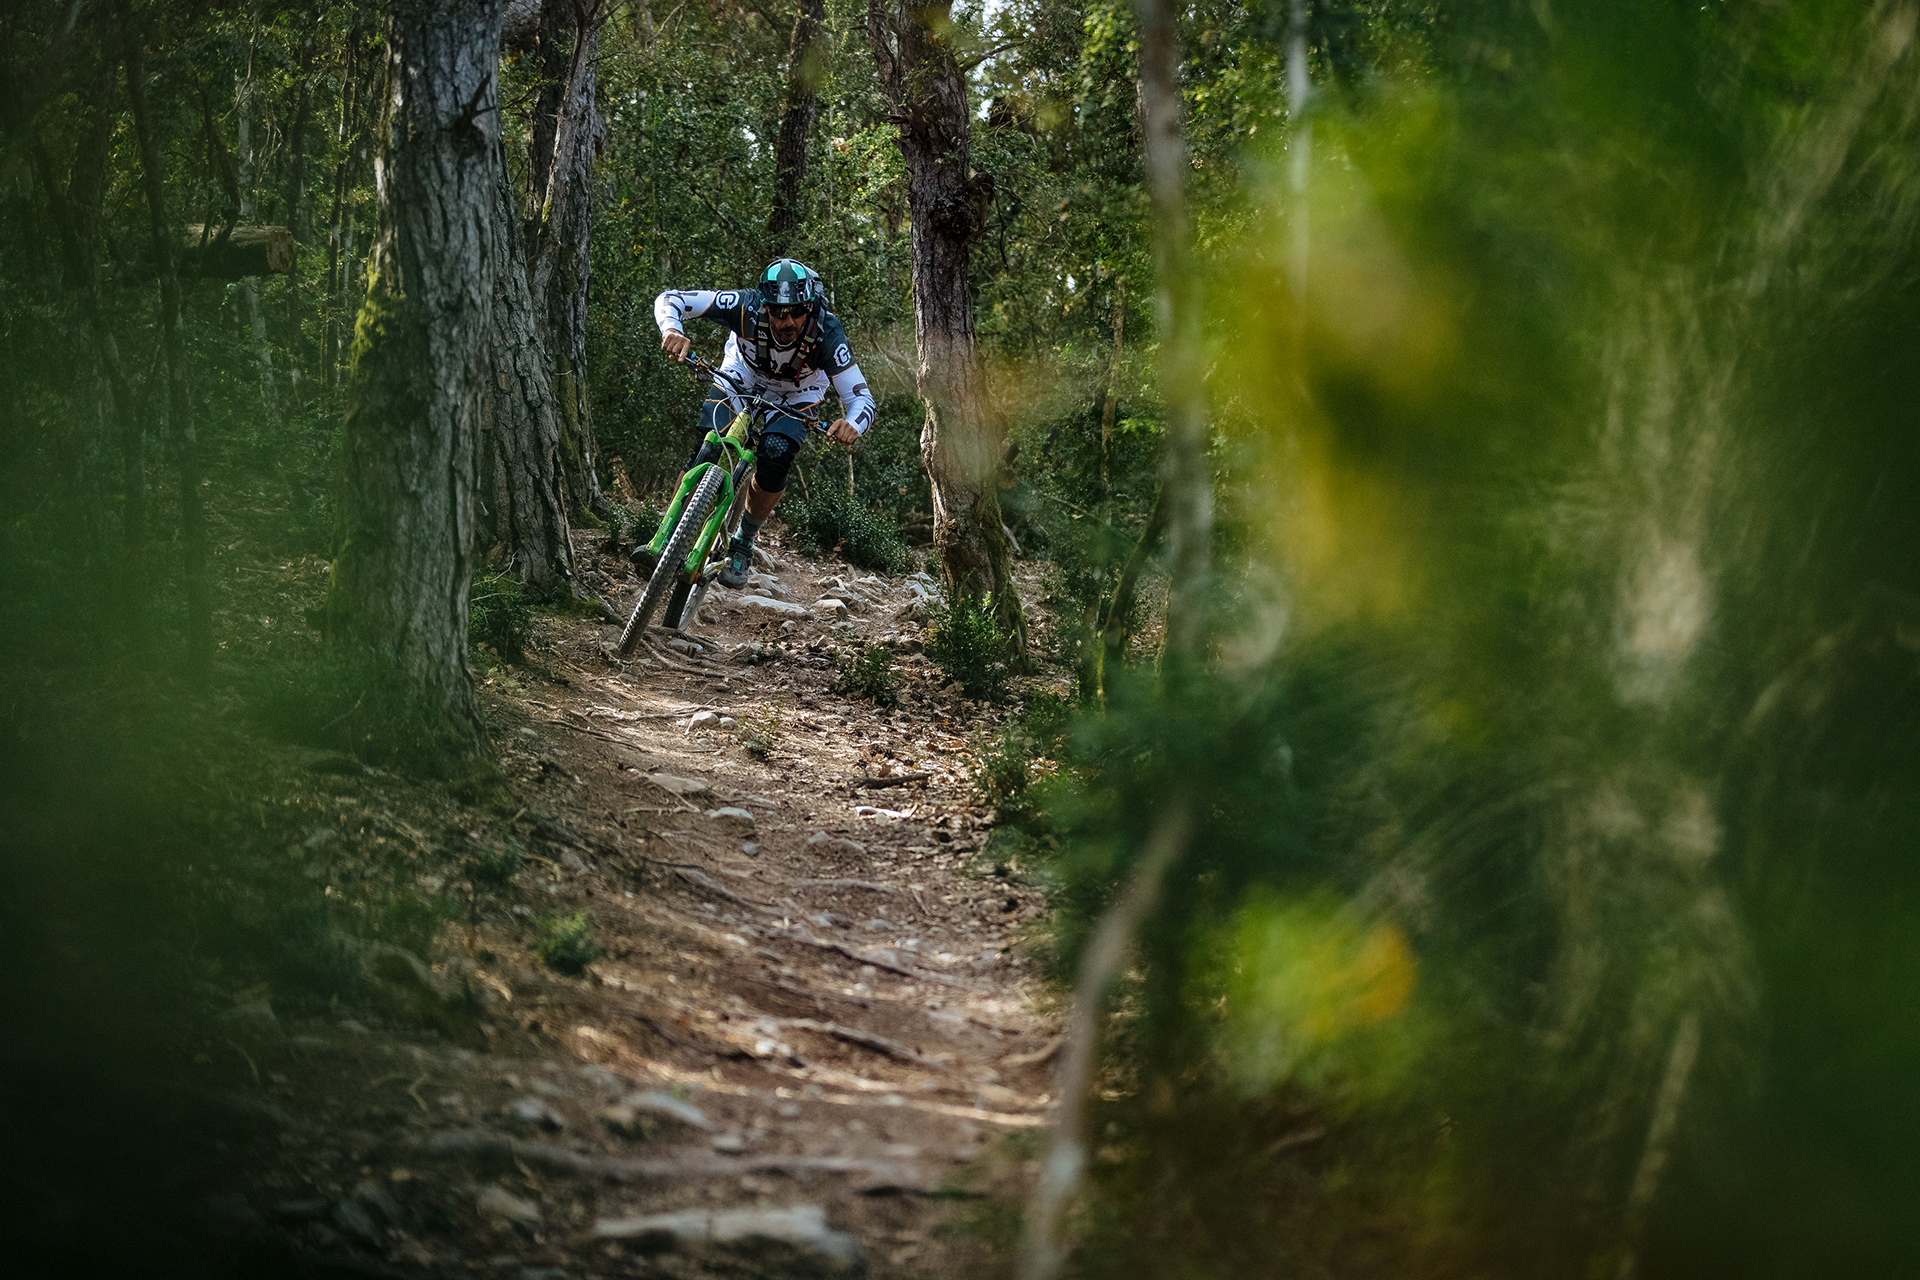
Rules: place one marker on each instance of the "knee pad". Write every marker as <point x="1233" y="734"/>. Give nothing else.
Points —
<point x="774" y="456"/>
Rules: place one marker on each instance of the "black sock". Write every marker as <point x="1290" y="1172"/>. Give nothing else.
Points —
<point x="748" y="527"/>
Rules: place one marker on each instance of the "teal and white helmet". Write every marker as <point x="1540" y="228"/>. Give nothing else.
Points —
<point x="788" y="283"/>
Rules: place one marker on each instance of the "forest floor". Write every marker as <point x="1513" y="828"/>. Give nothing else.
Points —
<point x="811" y="1046"/>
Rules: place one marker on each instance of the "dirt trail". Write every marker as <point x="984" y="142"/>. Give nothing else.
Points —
<point x="810" y="1031"/>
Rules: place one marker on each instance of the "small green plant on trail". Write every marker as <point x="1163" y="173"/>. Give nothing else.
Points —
<point x="500" y="616"/>
<point x="762" y="730"/>
<point x="411" y="921"/>
<point x="566" y="944"/>
<point x="833" y="518"/>
<point x="632" y="523"/>
<point x="868" y="674"/>
<point x="968" y="644"/>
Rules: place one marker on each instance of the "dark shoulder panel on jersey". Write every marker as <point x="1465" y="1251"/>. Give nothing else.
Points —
<point x="835" y="354"/>
<point x="731" y="311"/>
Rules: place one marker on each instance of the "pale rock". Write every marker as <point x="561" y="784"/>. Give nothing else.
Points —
<point x="497" y="1202"/>
<point x="657" y="1103"/>
<point x="802" y="1228"/>
<point x="765" y="561"/>
<point x="767" y="604"/>
<point x="703" y="722"/>
<point x="731" y="816"/>
<point x="678" y="786"/>
<point x="837" y="844"/>
<point x="830" y="607"/>
<point x="534" y="1113"/>
<point x="352" y="1220"/>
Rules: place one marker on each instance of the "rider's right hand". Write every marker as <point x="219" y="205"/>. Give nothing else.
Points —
<point x="676" y="344"/>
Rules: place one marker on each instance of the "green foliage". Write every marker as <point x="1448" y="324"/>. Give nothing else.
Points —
<point x="867" y="674"/>
<point x="632" y="524"/>
<point x="968" y="643"/>
<point x="761" y="730"/>
<point x="491" y="870"/>
<point x="499" y="616"/>
<point x="566" y="944"/>
<point x="834" y="520"/>
<point x="411" y="921"/>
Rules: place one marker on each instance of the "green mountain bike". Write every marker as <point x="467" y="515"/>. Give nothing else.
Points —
<point x="705" y="512"/>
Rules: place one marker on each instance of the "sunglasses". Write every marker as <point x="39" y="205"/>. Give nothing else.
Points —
<point x="786" y="312"/>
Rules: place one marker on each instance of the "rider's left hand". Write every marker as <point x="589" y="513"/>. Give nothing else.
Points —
<point x="843" y="432"/>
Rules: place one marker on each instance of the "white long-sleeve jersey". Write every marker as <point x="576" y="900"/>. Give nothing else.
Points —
<point x="798" y="376"/>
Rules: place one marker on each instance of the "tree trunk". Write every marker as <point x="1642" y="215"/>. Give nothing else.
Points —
<point x="796" y="128"/>
<point x="525" y="516"/>
<point x="404" y="548"/>
<point x="1182" y="360"/>
<point x="76" y="219"/>
<point x="250" y="286"/>
<point x="960" y="444"/>
<point x="1187" y="496"/>
<point x="567" y="136"/>
<point x="339" y="223"/>
<point x="193" y="527"/>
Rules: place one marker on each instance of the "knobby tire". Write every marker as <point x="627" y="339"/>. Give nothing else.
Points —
<point x="672" y="560"/>
<point x="688" y="597"/>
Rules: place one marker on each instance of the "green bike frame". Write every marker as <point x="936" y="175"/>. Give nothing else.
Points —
<point x="736" y="453"/>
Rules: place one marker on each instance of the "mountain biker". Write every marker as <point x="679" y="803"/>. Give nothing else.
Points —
<point x="785" y="346"/>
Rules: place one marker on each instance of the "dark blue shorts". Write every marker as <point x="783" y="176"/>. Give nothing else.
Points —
<point x="778" y="447"/>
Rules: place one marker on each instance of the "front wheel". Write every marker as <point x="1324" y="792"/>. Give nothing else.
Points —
<point x="684" y="604"/>
<point x="671" y="571"/>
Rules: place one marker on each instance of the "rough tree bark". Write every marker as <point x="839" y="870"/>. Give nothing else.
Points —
<point x="960" y="444"/>
<point x="797" y="114"/>
<point x="525" y="510"/>
<point x="186" y="441"/>
<point x="403" y="560"/>
<point x="567" y="137"/>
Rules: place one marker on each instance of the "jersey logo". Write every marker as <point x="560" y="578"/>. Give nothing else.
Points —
<point x="842" y="355"/>
<point x="728" y="300"/>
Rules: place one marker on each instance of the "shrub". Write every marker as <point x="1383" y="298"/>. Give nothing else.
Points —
<point x="567" y="945"/>
<point x="968" y="644"/>
<point x="761" y="731"/>
<point x="869" y="675"/>
<point x="500" y="616"/>
<point x="832" y="519"/>
<point x="632" y="524"/>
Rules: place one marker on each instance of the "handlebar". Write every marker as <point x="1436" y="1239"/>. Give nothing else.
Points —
<point x="700" y="367"/>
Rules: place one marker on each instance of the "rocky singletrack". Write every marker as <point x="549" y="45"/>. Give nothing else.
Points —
<point x="812" y="1045"/>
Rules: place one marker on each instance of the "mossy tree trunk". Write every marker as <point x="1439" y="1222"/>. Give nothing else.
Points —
<point x="960" y="444"/>
<point x="524" y="519"/>
<point x="417" y="386"/>
<point x="568" y="134"/>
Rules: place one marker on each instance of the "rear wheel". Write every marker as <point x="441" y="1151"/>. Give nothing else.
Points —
<point x="670" y="573"/>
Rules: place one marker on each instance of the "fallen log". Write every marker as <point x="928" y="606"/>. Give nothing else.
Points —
<point x="215" y="253"/>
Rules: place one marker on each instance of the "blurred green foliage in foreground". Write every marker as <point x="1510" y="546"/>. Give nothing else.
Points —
<point x="1552" y="906"/>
